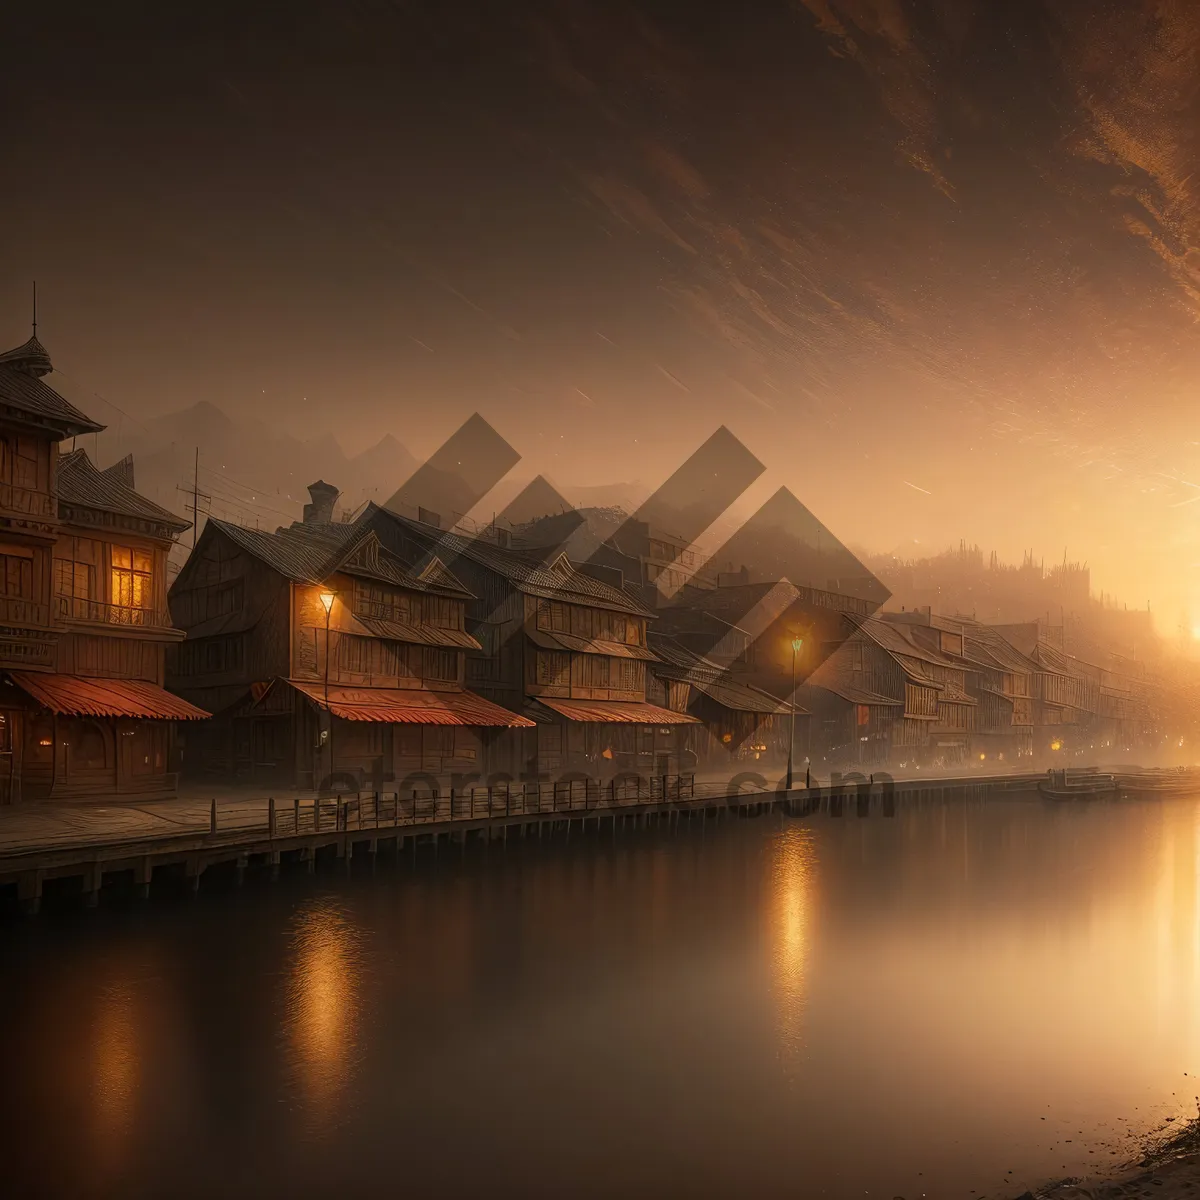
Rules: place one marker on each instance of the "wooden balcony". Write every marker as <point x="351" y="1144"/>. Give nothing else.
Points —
<point x="25" y="614"/>
<point x="26" y="503"/>
<point x="99" y="612"/>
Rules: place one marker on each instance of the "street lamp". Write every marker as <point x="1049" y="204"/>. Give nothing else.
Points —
<point x="797" y="643"/>
<point x="326" y="599"/>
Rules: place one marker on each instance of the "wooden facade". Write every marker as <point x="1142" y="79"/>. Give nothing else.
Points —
<point x="372" y="689"/>
<point x="561" y="646"/>
<point x="82" y="600"/>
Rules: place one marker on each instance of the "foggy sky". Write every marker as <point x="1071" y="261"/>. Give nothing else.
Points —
<point x="936" y="263"/>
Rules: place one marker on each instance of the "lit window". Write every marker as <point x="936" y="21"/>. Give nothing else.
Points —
<point x="132" y="586"/>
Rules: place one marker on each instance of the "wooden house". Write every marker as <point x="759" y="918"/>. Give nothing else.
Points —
<point x="1066" y="691"/>
<point x="83" y="713"/>
<point x="749" y="628"/>
<point x="328" y="661"/>
<point x="892" y="662"/>
<point x="851" y="725"/>
<point x="1002" y="679"/>
<point x="566" y="649"/>
<point x="741" y="725"/>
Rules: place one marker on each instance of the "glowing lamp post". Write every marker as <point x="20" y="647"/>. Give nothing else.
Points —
<point x="326" y="599"/>
<point x="797" y="643"/>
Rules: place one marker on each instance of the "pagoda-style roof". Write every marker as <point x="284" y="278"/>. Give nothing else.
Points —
<point x="24" y="397"/>
<point x="31" y="357"/>
<point x="82" y="486"/>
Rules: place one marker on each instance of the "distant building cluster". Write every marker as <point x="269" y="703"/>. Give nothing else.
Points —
<point x="342" y="654"/>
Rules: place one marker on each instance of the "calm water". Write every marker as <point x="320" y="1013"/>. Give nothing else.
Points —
<point x="905" y="1007"/>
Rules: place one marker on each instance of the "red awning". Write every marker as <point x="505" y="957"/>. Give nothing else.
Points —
<point x="74" y="696"/>
<point x="631" y="712"/>
<point x="410" y="706"/>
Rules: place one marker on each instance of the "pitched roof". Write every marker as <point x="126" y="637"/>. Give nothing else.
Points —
<point x="311" y="553"/>
<point x="81" y="483"/>
<point x="897" y="640"/>
<point x="558" y="580"/>
<point x="301" y="562"/>
<point x="41" y="404"/>
<point x="986" y="647"/>
<point x="684" y="665"/>
<point x="31" y="357"/>
<point x="836" y="675"/>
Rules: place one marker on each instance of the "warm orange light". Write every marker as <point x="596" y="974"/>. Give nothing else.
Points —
<point x="982" y="757"/>
<point x="326" y="599"/>
<point x="1056" y="745"/>
<point x="797" y="642"/>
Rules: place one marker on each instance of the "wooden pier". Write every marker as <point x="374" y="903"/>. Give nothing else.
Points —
<point x="298" y="831"/>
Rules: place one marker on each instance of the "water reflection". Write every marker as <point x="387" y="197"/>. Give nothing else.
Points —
<point x="117" y="1069"/>
<point x="791" y="891"/>
<point x="323" y="1009"/>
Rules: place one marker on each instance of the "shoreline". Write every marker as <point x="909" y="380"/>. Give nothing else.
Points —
<point x="1169" y="1170"/>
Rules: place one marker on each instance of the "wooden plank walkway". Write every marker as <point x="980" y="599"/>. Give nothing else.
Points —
<point x="188" y="836"/>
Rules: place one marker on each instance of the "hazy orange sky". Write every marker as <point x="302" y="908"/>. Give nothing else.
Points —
<point x="935" y="263"/>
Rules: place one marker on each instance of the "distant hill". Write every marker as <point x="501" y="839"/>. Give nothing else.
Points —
<point x="251" y="471"/>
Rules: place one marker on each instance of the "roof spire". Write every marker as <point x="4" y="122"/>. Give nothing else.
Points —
<point x="35" y="309"/>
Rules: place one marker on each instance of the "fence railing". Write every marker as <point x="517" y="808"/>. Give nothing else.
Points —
<point x="434" y="806"/>
<point x="16" y="610"/>
<point x="26" y="501"/>
<point x="80" y="608"/>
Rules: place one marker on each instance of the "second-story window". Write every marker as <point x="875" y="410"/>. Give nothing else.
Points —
<point x="19" y="461"/>
<point x="16" y="576"/>
<point x="132" y="584"/>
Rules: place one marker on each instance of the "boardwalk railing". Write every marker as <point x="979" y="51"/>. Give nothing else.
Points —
<point x="434" y="806"/>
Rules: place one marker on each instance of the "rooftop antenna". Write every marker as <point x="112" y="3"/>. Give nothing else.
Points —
<point x="35" y="308"/>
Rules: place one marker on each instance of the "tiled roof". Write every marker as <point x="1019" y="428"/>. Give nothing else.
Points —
<point x="834" y="675"/>
<point x="554" y="640"/>
<point x="376" y="562"/>
<point x="895" y="640"/>
<point x="559" y="580"/>
<point x="42" y="404"/>
<point x="409" y="706"/>
<point x="680" y="663"/>
<point x="311" y="553"/>
<point x="30" y="357"/>
<point x="298" y="560"/>
<point x="625" y="712"/>
<point x="986" y="647"/>
<point x="80" y="483"/>
<point x="72" y="695"/>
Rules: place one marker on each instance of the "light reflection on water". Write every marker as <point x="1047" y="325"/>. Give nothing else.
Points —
<point x="322" y="1009"/>
<point x="762" y="1007"/>
<point x="790" y="914"/>
<point x="117" y="1045"/>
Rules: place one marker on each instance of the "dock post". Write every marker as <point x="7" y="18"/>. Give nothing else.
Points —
<point x="242" y="860"/>
<point x="273" y="859"/>
<point x="271" y="817"/>
<point x="192" y="869"/>
<point x="92" y="879"/>
<point x="212" y="818"/>
<point x="296" y="815"/>
<point x="142" y="874"/>
<point x="29" y="892"/>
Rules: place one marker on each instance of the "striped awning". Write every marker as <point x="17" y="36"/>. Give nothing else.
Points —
<point x="74" y="696"/>
<point x="629" y="712"/>
<point x="410" y="706"/>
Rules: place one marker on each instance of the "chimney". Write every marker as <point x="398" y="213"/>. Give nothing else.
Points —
<point x="324" y="496"/>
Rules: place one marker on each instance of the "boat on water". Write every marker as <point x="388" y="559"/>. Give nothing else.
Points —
<point x="1058" y="785"/>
